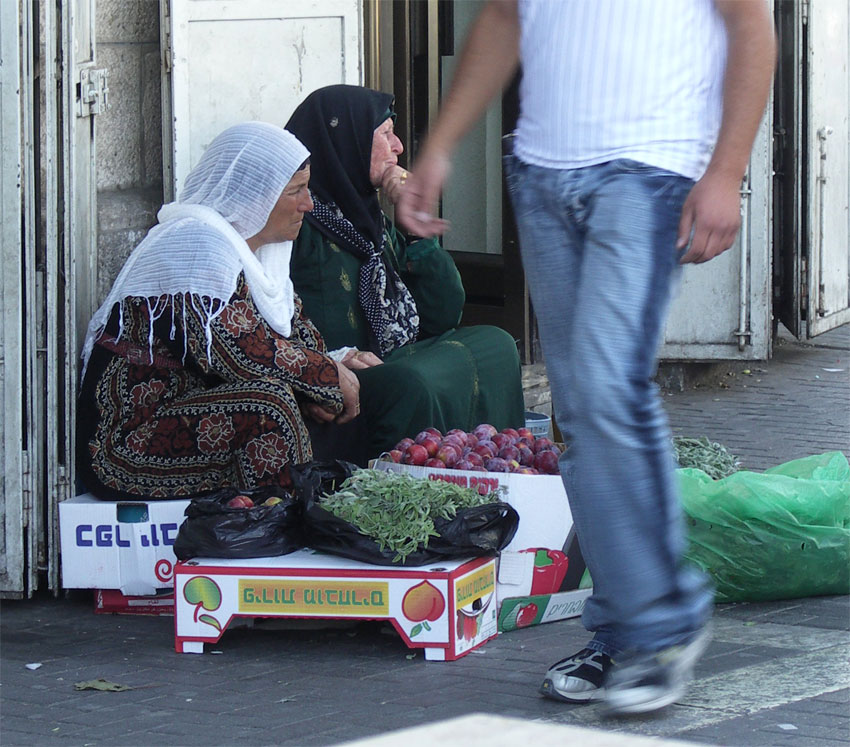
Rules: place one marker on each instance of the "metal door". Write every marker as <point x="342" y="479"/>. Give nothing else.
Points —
<point x="227" y="62"/>
<point x="14" y="485"/>
<point x="47" y="275"/>
<point x="827" y="167"/>
<point x="722" y="309"/>
<point x="69" y="264"/>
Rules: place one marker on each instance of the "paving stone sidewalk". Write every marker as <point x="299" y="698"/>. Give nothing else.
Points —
<point x="794" y="405"/>
<point x="776" y="673"/>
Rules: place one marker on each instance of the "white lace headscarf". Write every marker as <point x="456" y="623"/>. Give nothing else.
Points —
<point x="198" y="249"/>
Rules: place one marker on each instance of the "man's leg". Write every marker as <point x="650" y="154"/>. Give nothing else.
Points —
<point x="551" y="243"/>
<point x="620" y="467"/>
<point x="600" y="328"/>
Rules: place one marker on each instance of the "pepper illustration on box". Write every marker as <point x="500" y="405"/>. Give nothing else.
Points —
<point x="556" y="586"/>
<point x="469" y="617"/>
<point x="550" y="569"/>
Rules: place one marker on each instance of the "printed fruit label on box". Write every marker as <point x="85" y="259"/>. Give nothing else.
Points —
<point x="314" y="597"/>
<point x="522" y="612"/>
<point x="475" y="607"/>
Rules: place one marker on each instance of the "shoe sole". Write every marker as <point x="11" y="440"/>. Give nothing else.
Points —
<point x="633" y="706"/>
<point x="588" y="696"/>
<point x="628" y="704"/>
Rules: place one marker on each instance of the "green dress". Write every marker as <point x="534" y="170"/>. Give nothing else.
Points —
<point x="449" y="378"/>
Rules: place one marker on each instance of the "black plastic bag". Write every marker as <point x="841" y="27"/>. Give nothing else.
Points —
<point x="481" y="530"/>
<point x="213" y="530"/>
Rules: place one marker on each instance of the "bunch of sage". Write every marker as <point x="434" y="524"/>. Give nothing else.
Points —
<point x="700" y="453"/>
<point x="398" y="510"/>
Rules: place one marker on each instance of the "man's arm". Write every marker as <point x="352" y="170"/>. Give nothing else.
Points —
<point x="712" y="210"/>
<point x="487" y="63"/>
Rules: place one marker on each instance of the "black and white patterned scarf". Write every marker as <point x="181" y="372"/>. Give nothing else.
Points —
<point x="337" y="124"/>
<point x="386" y="301"/>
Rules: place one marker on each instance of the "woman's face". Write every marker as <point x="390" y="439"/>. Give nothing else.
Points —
<point x="286" y="216"/>
<point x="386" y="148"/>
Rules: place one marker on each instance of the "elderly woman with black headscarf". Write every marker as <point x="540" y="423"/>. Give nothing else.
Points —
<point x="389" y="297"/>
<point x="200" y="362"/>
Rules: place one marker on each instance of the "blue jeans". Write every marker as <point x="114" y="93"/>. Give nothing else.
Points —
<point x="598" y="247"/>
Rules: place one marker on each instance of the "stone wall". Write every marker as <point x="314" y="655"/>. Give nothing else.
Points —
<point x="129" y="132"/>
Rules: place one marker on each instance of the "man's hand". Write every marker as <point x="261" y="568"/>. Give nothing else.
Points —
<point x="357" y="360"/>
<point x="711" y="217"/>
<point x="417" y="208"/>
<point x="487" y="63"/>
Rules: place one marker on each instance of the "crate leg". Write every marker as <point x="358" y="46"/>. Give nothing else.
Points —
<point x="190" y="647"/>
<point x="435" y="654"/>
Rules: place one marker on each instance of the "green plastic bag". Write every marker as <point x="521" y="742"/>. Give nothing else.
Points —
<point x="779" y="534"/>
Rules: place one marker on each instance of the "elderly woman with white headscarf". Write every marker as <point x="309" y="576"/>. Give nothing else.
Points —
<point x="199" y="364"/>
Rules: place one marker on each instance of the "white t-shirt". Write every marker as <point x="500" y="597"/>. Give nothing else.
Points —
<point x="607" y="79"/>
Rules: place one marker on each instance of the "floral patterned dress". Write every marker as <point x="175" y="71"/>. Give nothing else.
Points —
<point x="189" y="416"/>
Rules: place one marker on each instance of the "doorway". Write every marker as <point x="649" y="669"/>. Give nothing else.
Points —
<point x="411" y="50"/>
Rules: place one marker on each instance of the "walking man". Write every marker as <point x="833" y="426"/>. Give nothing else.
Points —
<point x="636" y="123"/>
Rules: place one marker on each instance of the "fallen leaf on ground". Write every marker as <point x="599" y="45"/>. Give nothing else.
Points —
<point x="101" y="684"/>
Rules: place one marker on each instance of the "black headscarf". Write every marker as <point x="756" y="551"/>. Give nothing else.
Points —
<point x="337" y="124"/>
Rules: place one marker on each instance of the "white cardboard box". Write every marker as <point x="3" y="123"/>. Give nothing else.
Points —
<point x="529" y="591"/>
<point x="448" y="607"/>
<point x="540" y="500"/>
<point x="125" y="545"/>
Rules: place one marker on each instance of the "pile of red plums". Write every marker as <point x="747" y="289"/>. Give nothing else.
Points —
<point x="484" y="449"/>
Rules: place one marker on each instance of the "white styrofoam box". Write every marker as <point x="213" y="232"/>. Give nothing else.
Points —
<point x="124" y="545"/>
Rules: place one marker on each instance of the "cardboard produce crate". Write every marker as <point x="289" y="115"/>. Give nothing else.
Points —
<point x="447" y="608"/>
<point x="541" y="569"/>
<point x="124" y="545"/>
<point x="112" y="601"/>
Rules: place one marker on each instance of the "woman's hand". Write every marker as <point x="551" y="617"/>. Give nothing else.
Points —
<point x="357" y="360"/>
<point x="350" y="387"/>
<point x="317" y="412"/>
<point x="392" y="183"/>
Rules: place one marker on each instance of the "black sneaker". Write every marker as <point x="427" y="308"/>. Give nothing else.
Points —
<point x="647" y="682"/>
<point x="578" y="678"/>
